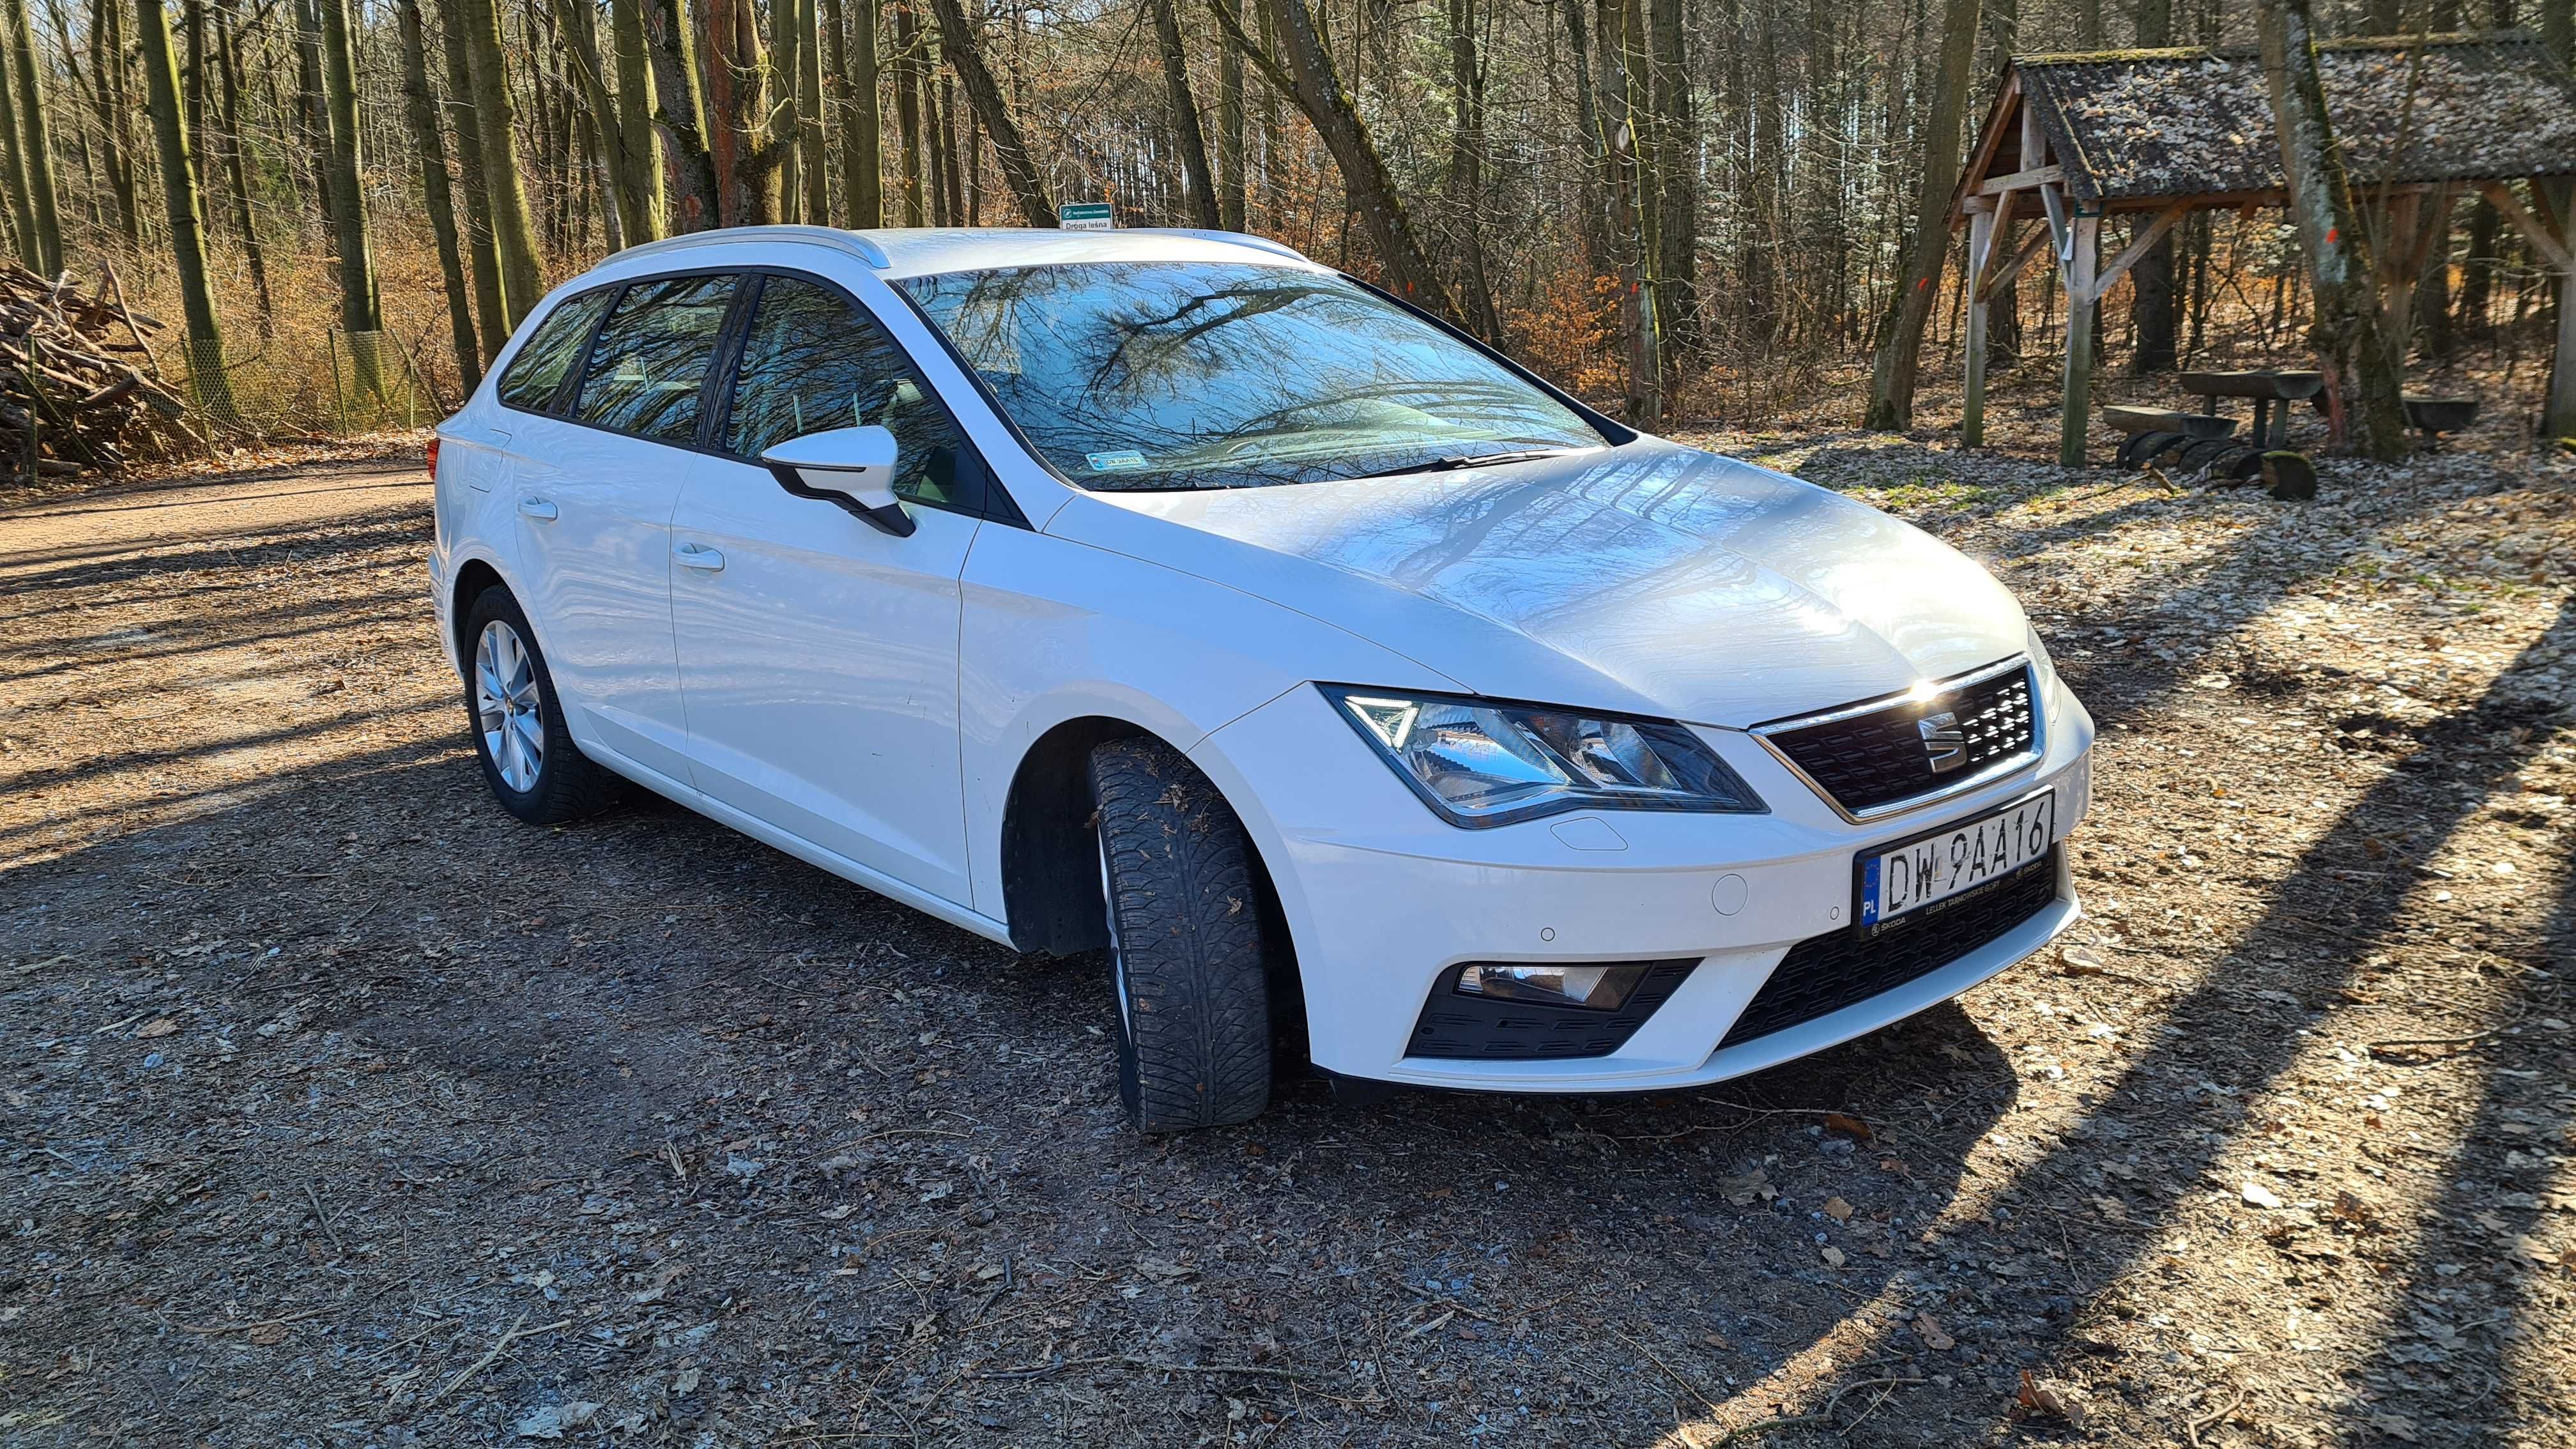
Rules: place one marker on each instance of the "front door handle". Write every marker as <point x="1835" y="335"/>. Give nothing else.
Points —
<point x="542" y="510"/>
<point x="699" y="556"/>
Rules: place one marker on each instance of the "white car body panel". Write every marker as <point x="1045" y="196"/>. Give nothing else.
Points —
<point x="865" y="702"/>
<point x="818" y="665"/>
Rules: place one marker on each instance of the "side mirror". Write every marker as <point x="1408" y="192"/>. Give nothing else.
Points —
<point x="853" y="467"/>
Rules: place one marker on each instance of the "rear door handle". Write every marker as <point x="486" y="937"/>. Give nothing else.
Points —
<point x="540" y="509"/>
<point x="699" y="556"/>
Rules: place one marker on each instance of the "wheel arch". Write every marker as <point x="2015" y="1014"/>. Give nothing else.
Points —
<point x="1050" y="884"/>
<point x="473" y="576"/>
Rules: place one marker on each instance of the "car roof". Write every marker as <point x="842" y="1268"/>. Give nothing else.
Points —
<point x="899" y="252"/>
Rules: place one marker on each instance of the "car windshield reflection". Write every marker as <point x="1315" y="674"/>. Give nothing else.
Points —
<point x="1137" y="376"/>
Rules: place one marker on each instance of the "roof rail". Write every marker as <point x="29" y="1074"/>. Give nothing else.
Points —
<point x="857" y="246"/>
<point x="1231" y="238"/>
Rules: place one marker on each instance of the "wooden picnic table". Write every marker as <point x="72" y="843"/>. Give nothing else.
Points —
<point x="2272" y="391"/>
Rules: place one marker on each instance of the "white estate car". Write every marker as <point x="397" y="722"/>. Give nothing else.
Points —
<point x="1170" y="593"/>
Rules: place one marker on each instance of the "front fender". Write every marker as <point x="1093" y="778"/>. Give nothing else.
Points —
<point x="1055" y="631"/>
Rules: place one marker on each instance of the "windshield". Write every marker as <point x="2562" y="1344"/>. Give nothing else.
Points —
<point x="1167" y="375"/>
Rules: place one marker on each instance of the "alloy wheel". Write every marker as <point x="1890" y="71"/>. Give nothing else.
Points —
<point x="505" y="706"/>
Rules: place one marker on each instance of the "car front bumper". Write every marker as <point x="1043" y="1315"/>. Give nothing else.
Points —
<point x="1381" y="897"/>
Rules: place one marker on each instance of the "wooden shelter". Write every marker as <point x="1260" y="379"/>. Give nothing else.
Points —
<point x="2073" y="140"/>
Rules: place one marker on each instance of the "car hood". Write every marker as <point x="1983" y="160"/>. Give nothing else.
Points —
<point x="1649" y="578"/>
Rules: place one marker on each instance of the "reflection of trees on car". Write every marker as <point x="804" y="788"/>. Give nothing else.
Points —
<point x="810" y="362"/>
<point x="1177" y="375"/>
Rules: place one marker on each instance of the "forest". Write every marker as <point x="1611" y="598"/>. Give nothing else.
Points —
<point x="334" y="213"/>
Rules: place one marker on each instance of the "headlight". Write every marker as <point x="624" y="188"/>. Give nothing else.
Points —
<point x="1480" y="763"/>
<point x="2046" y="669"/>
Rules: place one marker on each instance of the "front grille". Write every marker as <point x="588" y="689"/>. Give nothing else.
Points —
<point x="1457" y="1025"/>
<point x="1823" y="974"/>
<point x="1880" y="758"/>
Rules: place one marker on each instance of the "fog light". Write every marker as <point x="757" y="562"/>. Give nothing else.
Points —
<point x="1601" y="988"/>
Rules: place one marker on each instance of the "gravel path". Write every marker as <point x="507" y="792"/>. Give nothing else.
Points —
<point x="343" y="1110"/>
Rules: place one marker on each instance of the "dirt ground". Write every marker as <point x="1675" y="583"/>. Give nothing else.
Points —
<point x="342" y="1109"/>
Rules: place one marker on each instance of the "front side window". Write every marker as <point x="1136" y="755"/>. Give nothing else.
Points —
<point x="536" y="374"/>
<point x="1170" y="375"/>
<point x="650" y="363"/>
<point x="811" y="361"/>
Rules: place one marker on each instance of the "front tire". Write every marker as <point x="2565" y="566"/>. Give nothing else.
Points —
<point x="529" y="759"/>
<point x="1185" y="942"/>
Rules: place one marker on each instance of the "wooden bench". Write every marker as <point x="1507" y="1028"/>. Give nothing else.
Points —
<point x="2168" y="420"/>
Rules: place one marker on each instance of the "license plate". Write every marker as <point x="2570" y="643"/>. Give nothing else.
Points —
<point x="1955" y="859"/>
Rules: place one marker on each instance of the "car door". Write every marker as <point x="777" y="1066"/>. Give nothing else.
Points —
<point x="594" y="489"/>
<point x="817" y="652"/>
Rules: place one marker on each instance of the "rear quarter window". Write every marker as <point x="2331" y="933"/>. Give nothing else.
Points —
<point x="535" y="376"/>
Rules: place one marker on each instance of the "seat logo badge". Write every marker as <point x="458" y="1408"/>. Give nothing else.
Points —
<point x="1943" y="741"/>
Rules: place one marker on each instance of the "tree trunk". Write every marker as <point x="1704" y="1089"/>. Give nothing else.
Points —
<point x="483" y="258"/>
<point x="1198" y="177"/>
<point x="514" y="234"/>
<point x="1467" y="172"/>
<point x="788" y="62"/>
<point x="13" y="163"/>
<point x="1587" y="120"/>
<point x="854" y="87"/>
<point x="1307" y="75"/>
<point x="312" y="118"/>
<point x="966" y="58"/>
<point x="1892" y="371"/>
<point x="680" y="111"/>
<point x="2361" y="365"/>
<point x="110" y="98"/>
<point x="641" y="200"/>
<point x="361" y="316"/>
<point x="814" y="158"/>
<point x="236" y="163"/>
<point x="420" y="111"/>
<point x="632" y="172"/>
<point x="1621" y="112"/>
<point x="1231" y="194"/>
<point x="907" y="109"/>
<point x="742" y="132"/>
<point x="936" y="142"/>
<point x="1677" y="179"/>
<point x="2152" y="277"/>
<point x="35" y="137"/>
<point x="192" y="74"/>
<point x="206" y="376"/>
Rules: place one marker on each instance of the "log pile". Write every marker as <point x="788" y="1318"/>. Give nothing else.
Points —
<point x="71" y="401"/>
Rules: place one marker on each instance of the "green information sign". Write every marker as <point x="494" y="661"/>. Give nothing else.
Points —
<point x="1085" y="216"/>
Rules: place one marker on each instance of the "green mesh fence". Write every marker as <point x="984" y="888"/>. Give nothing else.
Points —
<point x="315" y="384"/>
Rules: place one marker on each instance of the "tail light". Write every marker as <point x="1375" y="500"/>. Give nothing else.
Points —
<point x="431" y="455"/>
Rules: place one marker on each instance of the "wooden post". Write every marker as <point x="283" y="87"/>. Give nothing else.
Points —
<point x="1981" y="247"/>
<point x="2076" y="265"/>
<point x="2559" y="419"/>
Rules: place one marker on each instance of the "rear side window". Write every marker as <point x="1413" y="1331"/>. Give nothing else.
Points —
<point x="811" y="361"/>
<point x="536" y="374"/>
<point x="650" y="363"/>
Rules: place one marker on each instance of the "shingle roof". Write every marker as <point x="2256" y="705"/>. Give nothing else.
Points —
<point x="2136" y="124"/>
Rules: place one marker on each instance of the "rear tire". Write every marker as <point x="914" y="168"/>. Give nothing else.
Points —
<point x="529" y="759"/>
<point x="1185" y="942"/>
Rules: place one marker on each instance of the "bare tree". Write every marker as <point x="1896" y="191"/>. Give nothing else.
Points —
<point x="853" y="62"/>
<point x="496" y="119"/>
<point x="420" y="112"/>
<point x="1891" y="388"/>
<point x="361" y="312"/>
<point x="207" y="377"/>
<point x="1197" y="176"/>
<point x="957" y="40"/>
<point x="2361" y="365"/>
<point x="34" y="136"/>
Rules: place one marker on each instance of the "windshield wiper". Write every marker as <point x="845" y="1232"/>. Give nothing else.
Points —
<point x="1456" y="461"/>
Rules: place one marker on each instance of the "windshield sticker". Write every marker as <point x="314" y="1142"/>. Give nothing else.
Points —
<point x="1119" y="462"/>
